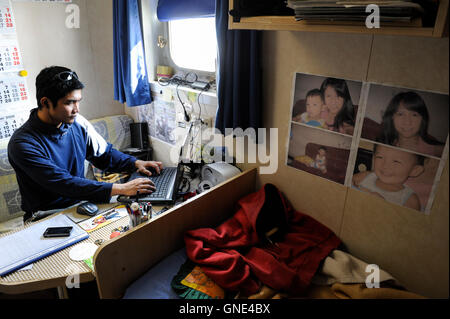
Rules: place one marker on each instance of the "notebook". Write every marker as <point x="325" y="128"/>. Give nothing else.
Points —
<point x="28" y="245"/>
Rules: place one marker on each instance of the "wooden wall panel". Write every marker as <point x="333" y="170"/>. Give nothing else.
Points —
<point x="284" y="54"/>
<point x="410" y="245"/>
<point x="414" y="62"/>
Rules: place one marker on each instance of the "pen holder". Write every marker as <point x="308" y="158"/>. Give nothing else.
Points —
<point x="135" y="214"/>
<point x="139" y="213"/>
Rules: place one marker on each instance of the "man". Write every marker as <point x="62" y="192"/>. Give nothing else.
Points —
<point x="49" y="150"/>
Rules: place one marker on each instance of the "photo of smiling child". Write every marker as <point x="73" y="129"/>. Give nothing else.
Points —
<point x="409" y="119"/>
<point x="397" y="176"/>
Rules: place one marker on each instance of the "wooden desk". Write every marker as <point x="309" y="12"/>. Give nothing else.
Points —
<point x="120" y="260"/>
<point x="52" y="271"/>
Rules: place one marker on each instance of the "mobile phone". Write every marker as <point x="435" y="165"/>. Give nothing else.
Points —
<point x="58" y="231"/>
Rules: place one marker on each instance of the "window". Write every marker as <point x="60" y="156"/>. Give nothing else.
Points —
<point x="193" y="43"/>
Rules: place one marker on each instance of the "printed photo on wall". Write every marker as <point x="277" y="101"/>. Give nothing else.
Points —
<point x="409" y="119"/>
<point x="319" y="152"/>
<point x="398" y="176"/>
<point x="391" y="142"/>
<point x="326" y="102"/>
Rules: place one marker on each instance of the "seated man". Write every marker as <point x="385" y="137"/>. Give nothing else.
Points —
<point x="49" y="150"/>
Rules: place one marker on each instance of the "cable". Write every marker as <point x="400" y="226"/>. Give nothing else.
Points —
<point x="185" y="81"/>
<point x="186" y="116"/>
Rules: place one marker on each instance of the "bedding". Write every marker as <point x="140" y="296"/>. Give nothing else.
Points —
<point x="265" y="242"/>
<point x="246" y="258"/>
<point x="156" y="283"/>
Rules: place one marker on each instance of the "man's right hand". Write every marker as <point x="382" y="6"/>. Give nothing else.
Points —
<point x="131" y="188"/>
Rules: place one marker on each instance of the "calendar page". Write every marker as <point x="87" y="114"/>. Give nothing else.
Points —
<point x="10" y="58"/>
<point x="14" y="103"/>
<point x="13" y="89"/>
<point x="9" y="123"/>
<point x="7" y="24"/>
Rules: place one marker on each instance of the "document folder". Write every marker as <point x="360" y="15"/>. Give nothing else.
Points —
<point x="28" y="245"/>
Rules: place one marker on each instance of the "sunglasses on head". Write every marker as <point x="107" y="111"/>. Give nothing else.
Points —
<point x="66" y="76"/>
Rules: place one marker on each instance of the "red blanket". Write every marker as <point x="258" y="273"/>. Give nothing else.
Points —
<point x="239" y="255"/>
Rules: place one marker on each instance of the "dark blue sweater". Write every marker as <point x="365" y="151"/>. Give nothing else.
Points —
<point x="49" y="163"/>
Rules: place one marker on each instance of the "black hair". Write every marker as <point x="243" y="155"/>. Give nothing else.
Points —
<point x="420" y="158"/>
<point x="49" y="85"/>
<point x="323" y="148"/>
<point x="347" y="112"/>
<point x="315" y="92"/>
<point x="412" y="102"/>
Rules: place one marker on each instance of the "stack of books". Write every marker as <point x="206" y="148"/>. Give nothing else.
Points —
<point x="350" y="10"/>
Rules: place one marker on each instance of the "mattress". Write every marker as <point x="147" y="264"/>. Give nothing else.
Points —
<point x="155" y="283"/>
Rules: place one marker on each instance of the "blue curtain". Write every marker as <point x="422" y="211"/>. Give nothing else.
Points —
<point x="185" y="9"/>
<point x="238" y="75"/>
<point x="130" y="70"/>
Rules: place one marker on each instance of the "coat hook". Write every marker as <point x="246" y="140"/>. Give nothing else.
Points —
<point x="161" y="41"/>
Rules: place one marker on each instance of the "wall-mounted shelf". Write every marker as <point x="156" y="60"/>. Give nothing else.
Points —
<point x="288" y="23"/>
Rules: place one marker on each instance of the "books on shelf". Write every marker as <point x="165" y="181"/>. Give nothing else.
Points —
<point x="348" y="10"/>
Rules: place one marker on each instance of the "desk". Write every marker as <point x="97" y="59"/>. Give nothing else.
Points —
<point x="52" y="271"/>
<point x="120" y="260"/>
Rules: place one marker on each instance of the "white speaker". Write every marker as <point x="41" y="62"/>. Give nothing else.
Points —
<point x="216" y="173"/>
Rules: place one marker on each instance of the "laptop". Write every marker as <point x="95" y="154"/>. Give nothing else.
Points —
<point x="167" y="182"/>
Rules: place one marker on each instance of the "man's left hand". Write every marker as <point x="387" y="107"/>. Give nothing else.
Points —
<point x="144" y="166"/>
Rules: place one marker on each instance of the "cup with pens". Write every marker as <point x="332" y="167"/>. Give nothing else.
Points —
<point x="138" y="212"/>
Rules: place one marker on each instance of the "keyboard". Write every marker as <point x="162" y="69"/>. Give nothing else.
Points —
<point x="166" y="184"/>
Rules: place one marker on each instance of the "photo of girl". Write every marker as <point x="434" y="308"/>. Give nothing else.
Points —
<point x="412" y="120"/>
<point x="326" y="102"/>
<point x="400" y="177"/>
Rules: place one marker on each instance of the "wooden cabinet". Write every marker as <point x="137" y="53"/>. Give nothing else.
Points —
<point x="289" y="23"/>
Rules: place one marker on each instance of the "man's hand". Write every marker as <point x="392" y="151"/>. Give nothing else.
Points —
<point x="143" y="165"/>
<point x="142" y="185"/>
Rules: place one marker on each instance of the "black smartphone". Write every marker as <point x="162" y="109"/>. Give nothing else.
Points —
<point x="58" y="231"/>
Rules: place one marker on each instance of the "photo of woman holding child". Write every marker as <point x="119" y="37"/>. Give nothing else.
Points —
<point x="325" y="103"/>
<point x="407" y="120"/>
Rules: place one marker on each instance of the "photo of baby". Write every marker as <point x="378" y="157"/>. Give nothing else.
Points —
<point x="409" y="119"/>
<point x="327" y="103"/>
<point x="320" y="153"/>
<point x="400" y="177"/>
<point x="320" y="162"/>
